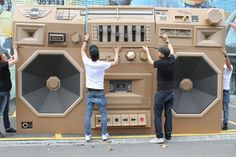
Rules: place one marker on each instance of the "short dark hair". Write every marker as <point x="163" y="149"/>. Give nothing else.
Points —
<point x="94" y="53"/>
<point x="165" y="51"/>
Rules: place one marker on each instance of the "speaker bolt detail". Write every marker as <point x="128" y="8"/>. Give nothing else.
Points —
<point x="75" y="38"/>
<point x="53" y="83"/>
<point x="186" y="85"/>
<point x="130" y="55"/>
<point x="143" y="56"/>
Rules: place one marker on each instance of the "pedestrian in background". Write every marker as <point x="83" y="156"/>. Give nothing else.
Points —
<point x="228" y="69"/>
<point x="5" y="87"/>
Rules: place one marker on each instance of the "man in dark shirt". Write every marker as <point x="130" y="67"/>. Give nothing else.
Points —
<point x="164" y="97"/>
<point x="5" y="87"/>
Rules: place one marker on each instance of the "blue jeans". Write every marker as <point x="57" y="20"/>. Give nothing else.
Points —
<point x="226" y="97"/>
<point x="4" y="108"/>
<point x="95" y="98"/>
<point x="3" y="101"/>
<point x="164" y="100"/>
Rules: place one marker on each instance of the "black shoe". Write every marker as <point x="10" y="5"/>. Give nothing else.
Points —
<point x="225" y="127"/>
<point x="10" y="130"/>
<point x="1" y="135"/>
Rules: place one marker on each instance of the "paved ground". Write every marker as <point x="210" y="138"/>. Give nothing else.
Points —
<point x="217" y="145"/>
<point x="207" y="146"/>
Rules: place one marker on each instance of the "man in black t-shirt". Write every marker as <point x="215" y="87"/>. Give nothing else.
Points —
<point x="164" y="97"/>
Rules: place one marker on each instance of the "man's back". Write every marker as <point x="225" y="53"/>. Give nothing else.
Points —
<point x="95" y="72"/>
<point x="165" y="72"/>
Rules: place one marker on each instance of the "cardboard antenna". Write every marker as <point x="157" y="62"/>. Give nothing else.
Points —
<point x="86" y="21"/>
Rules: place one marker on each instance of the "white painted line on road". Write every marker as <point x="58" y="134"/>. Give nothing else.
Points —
<point x="13" y="115"/>
<point x="231" y="122"/>
<point x="233" y="106"/>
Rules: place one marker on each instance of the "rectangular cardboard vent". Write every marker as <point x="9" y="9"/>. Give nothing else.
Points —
<point x="176" y="32"/>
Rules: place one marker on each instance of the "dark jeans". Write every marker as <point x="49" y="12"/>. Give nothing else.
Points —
<point x="4" y="103"/>
<point x="164" y="100"/>
<point x="226" y="98"/>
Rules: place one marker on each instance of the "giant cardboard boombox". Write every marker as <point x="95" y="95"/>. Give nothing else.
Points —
<point x="51" y="88"/>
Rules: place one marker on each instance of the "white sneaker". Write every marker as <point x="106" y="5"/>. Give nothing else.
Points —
<point x="157" y="140"/>
<point x="87" y="138"/>
<point x="105" y="137"/>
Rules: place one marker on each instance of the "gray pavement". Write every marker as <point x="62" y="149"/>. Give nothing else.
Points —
<point x="121" y="148"/>
<point x="220" y="145"/>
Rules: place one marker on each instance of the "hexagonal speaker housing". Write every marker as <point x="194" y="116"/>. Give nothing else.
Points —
<point x="50" y="83"/>
<point x="202" y="79"/>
